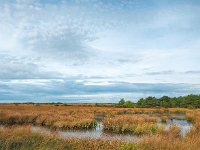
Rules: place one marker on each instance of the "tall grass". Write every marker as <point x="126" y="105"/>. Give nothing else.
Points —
<point x="117" y="119"/>
<point x="62" y="119"/>
<point x="136" y="124"/>
<point x="21" y="138"/>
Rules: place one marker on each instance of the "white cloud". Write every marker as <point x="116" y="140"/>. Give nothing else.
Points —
<point x="99" y="42"/>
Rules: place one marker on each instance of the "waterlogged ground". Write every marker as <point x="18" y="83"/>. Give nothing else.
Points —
<point x="178" y="120"/>
<point x="92" y="134"/>
<point x="62" y="119"/>
<point x="34" y="126"/>
<point x="175" y="119"/>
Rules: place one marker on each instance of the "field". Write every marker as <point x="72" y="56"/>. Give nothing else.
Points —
<point x="147" y="124"/>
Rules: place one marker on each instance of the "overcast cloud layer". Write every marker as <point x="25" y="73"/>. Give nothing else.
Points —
<point x="98" y="50"/>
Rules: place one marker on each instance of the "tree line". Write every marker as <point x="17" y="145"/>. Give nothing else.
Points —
<point x="189" y="101"/>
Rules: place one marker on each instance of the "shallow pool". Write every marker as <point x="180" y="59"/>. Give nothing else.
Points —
<point x="98" y="132"/>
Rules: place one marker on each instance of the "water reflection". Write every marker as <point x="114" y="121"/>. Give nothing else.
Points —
<point x="92" y="134"/>
<point x="184" y="126"/>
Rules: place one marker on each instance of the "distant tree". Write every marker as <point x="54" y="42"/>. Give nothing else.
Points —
<point x="192" y="101"/>
<point x="165" y="101"/>
<point x="129" y="104"/>
<point x="152" y="101"/>
<point x="125" y="104"/>
<point x="121" y="102"/>
<point x="141" y="102"/>
<point x="189" y="101"/>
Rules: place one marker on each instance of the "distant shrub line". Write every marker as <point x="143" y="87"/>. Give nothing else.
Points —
<point x="189" y="101"/>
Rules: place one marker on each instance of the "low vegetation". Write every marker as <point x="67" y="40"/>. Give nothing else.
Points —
<point x="136" y="124"/>
<point x="164" y="119"/>
<point x="53" y="118"/>
<point x="16" y="132"/>
<point x="22" y="138"/>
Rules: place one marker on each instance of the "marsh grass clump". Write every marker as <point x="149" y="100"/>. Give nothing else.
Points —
<point x="164" y="119"/>
<point x="11" y="118"/>
<point x="135" y="124"/>
<point x="131" y="146"/>
<point x="174" y="131"/>
<point x="58" y="119"/>
<point x="22" y="138"/>
<point x="82" y="124"/>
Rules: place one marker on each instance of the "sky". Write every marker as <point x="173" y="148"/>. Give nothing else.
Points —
<point x="93" y="51"/>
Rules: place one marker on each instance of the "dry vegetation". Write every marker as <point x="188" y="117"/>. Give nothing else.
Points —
<point x="81" y="117"/>
<point x="49" y="116"/>
<point x="21" y="138"/>
<point x="136" y="124"/>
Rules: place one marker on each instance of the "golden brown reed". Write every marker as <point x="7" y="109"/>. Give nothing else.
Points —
<point x="47" y="116"/>
<point x="21" y="138"/>
<point x="50" y="115"/>
<point x="136" y="124"/>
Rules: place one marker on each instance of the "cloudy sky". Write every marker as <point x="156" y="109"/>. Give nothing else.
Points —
<point x="98" y="50"/>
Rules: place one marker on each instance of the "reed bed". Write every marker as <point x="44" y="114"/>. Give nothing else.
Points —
<point x="80" y="117"/>
<point x="58" y="119"/>
<point x="70" y="116"/>
<point x="164" y="119"/>
<point x="171" y="139"/>
<point x="133" y="124"/>
<point x="21" y="138"/>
